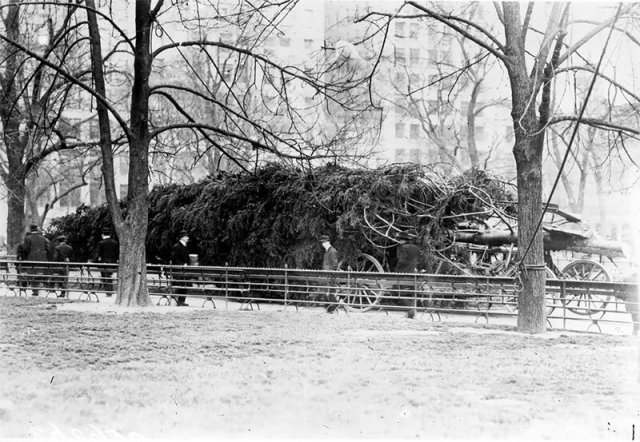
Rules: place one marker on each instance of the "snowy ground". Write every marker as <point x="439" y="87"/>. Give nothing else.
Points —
<point x="95" y="370"/>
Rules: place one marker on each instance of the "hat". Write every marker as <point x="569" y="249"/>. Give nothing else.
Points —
<point x="183" y="233"/>
<point x="403" y="235"/>
<point x="323" y="238"/>
<point x="106" y="231"/>
<point x="61" y="238"/>
<point x="33" y="228"/>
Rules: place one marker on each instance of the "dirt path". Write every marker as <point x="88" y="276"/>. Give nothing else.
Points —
<point x="227" y="373"/>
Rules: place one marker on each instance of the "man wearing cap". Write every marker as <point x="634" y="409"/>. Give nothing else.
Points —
<point x="62" y="253"/>
<point x="180" y="257"/>
<point x="408" y="257"/>
<point x="330" y="262"/>
<point x="35" y="248"/>
<point x="108" y="252"/>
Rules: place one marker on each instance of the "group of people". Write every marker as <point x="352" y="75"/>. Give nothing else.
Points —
<point x="407" y="260"/>
<point x="36" y="248"/>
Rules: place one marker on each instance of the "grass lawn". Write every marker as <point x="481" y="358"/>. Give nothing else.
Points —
<point x="192" y="372"/>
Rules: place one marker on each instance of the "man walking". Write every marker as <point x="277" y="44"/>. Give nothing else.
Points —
<point x="35" y="248"/>
<point x="62" y="253"/>
<point x="408" y="257"/>
<point x="108" y="252"/>
<point x="330" y="262"/>
<point x="180" y="257"/>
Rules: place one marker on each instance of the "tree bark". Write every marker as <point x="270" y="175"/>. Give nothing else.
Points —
<point x="527" y="151"/>
<point x="132" y="230"/>
<point x="14" y="143"/>
<point x="132" y="278"/>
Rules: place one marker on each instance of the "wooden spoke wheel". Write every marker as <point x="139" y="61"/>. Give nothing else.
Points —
<point x="552" y="301"/>
<point x="586" y="303"/>
<point x="361" y="294"/>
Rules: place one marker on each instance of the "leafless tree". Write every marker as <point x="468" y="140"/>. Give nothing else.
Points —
<point x="33" y="99"/>
<point x="162" y="30"/>
<point x="534" y="49"/>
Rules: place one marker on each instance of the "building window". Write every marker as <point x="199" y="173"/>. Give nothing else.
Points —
<point x="94" y="129"/>
<point x="400" y="55"/>
<point x="124" y="166"/>
<point x="431" y="56"/>
<point x="399" y="130"/>
<point x="414" y="131"/>
<point x="414" y="57"/>
<point x="308" y="43"/>
<point x="96" y="193"/>
<point x="414" y="30"/>
<point x="71" y="199"/>
<point x="400" y="29"/>
<point x="70" y="128"/>
<point x="285" y="42"/>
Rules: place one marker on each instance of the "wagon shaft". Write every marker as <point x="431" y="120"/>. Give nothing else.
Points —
<point x="488" y="238"/>
<point x="593" y="246"/>
<point x="554" y="240"/>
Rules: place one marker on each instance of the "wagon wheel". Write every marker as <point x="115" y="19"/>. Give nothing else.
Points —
<point x="361" y="296"/>
<point x="586" y="303"/>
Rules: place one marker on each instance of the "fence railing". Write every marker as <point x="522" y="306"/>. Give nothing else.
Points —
<point x="568" y="302"/>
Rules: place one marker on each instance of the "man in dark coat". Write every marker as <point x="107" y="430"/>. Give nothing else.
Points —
<point x="408" y="257"/>
<point x="21" y="268"/>
<point x="180" y="257"/>
<point x="330" y="262"/>
<point x="108" y="252"/>
<point x="62" y="253"/>
<point x="35" y="248"/>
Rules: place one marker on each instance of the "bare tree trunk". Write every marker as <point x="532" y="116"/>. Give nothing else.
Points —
<point x="132" y="271"/>
<point x="15" y="211"/>
<point x="527" y="151"/>
<point x="132" y="282"/>
<point x="132" y="231"/>
<point x="16" y="177"/>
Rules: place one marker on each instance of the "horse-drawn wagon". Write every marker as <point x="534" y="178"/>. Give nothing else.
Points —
<point x="485" y="244"/>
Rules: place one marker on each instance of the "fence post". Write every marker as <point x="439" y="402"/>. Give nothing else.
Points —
<point x="563" y="294"/>
<point x="415" y="290"/>
<point x="286" y="285"/>
<point x="226" y="285"/>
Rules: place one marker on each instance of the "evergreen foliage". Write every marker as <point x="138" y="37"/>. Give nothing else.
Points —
<point x="273" y="218"/>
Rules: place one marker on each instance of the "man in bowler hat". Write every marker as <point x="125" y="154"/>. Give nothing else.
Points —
<point x="180" y="257"/>
<point x="62" y="253"/>
<point x="330" y="262"/>
<point x="35" y="247"/>
<point x="408" y="257"/>
<point x="108" y="252"/>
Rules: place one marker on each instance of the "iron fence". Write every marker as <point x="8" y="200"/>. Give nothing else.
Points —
<point x="589" y="304"/>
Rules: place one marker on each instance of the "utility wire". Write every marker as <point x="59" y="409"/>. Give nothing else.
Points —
<point x="573" y="134"/>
